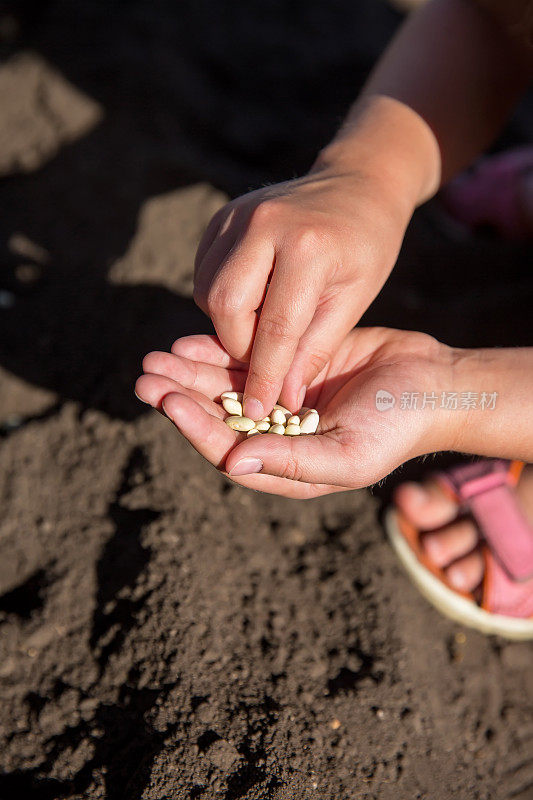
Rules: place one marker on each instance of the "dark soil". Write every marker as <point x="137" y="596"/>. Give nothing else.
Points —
<point x="164" y="634"/>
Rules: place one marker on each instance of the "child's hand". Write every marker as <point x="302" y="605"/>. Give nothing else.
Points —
<point x="356" y="444"/>
<point x="312" y="254"/>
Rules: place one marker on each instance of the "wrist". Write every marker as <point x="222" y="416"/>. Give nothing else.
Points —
<point x="454" y="378"/>
<point x="439" y="399"/>
<point x="455" y="398"/>
<point x="387" y="140"/>
<point x="493" y="389"/>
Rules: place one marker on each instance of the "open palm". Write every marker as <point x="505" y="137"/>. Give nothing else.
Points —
<point x="356" y="444"/>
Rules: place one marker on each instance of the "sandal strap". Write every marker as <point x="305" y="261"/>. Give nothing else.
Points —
<point x="503" y="595"/>
<point x="485" y="489"/>
<point x="467" y="480"/>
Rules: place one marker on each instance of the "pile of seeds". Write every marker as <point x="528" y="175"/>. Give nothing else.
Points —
<point x="280" y="420"/>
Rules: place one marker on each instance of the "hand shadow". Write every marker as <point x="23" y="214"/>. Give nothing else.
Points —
<point x="181" y="105"/>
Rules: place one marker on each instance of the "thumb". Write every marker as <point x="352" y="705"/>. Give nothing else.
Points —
<point x="321" y="458"/>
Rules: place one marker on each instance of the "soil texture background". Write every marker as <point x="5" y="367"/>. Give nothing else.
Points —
<point x="164" y="634"/>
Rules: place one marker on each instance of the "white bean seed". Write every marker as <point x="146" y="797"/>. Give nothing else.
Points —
<point x="277" y="417"/>
<point x="232" y="406"/>
<point x="280" y="421"/>
<point x="309" y="423"/>
<point x="292" y="430"/>
<point x="239" y="423"/>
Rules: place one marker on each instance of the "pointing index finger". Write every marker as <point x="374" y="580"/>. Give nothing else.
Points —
<point x="288" y="309"/>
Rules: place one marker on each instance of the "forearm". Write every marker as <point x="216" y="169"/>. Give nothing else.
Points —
<point x="500" y="424"/>
<point x="437" y="98"/>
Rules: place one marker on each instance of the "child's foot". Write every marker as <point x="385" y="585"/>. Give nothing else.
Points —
<point x="451" y="541"/>
<point x="466" y="539"/>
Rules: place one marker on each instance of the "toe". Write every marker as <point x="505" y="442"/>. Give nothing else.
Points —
<point x="466" y="573"/>
<point x="451" y="542"/>
<point x="425" y="504"/>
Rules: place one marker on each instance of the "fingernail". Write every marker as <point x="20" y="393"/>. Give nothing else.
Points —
<point x="165" y="412"/>
<point x="246" y="466"/>
<point x="253" y="408"/>
<point x="301" y="396"/>
<point x="176" y="415"/>
<point x="140" y="398"/>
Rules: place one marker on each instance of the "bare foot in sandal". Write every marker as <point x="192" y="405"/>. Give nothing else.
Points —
<point x="465" y="523"/>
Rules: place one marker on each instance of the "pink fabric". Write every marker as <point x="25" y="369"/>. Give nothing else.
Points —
<point x="506" y="530"/>
<point x="505" y="596"/>
<point x="465" y="480"/>
<point x="483" y="489"/>
<point x="490" y="194"/>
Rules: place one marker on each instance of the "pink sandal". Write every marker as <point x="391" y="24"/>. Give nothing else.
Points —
<point x="486" y="491"/>
<point x="490" y="194"/>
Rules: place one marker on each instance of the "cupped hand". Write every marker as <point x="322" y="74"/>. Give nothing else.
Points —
<point x="357" y="442"/>
<point x="311" y="254"/>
